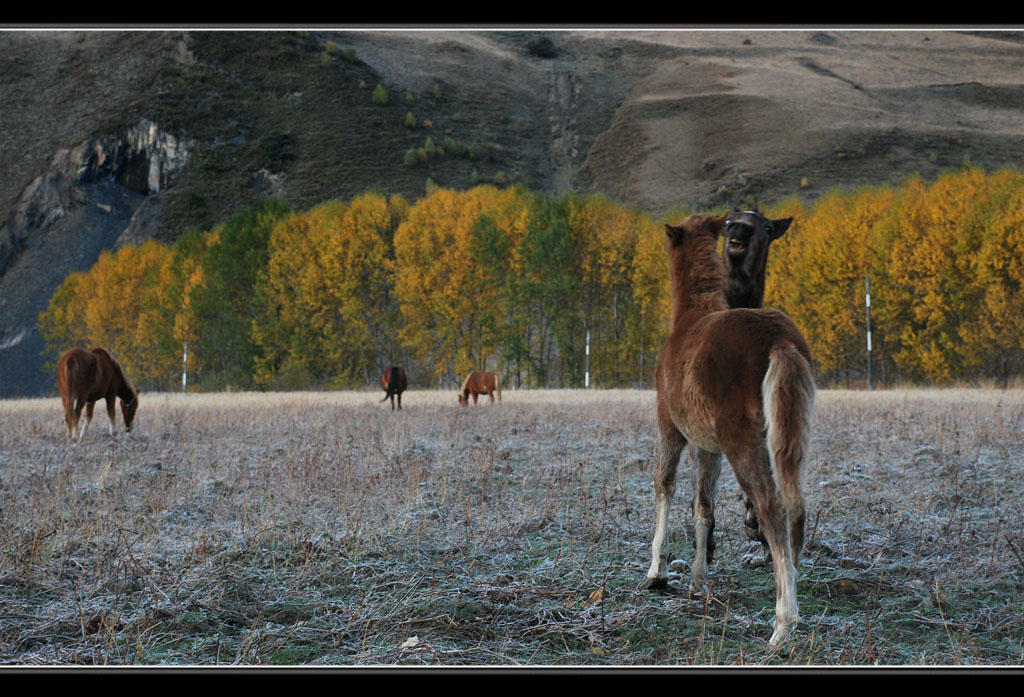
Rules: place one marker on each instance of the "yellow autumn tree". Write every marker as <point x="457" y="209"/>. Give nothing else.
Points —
<point x="606" y="240"/>
<point x="180" y="283"/>
<point x="113" y="305"/>
<point x="62" y="325"/>
<point x="652" y="300"/>
<point x="992" y="335"/>
<point x="325" y="295"/>
<point x="934" y="233"/>
<point x="444" y="294"/>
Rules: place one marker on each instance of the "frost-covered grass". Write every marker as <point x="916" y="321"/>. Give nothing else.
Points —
<point x="322" y="528"/>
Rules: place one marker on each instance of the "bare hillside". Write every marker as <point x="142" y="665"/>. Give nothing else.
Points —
<point x="113" y="137"/>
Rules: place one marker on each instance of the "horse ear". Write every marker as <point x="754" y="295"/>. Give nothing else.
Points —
<point x="780" y="226"/>
<point x="674" y="234"/>
<point x="718" y="224"/>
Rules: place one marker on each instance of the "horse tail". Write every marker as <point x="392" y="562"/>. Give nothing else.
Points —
<point x="68" y="382"/>
<point x="788" y="396"/>
<point x="392" y="387"/>
<point x="497" y="385"/>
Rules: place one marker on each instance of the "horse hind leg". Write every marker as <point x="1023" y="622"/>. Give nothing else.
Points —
<point x="775" y="521"/>
<point x="775" y="526"/>
<point x="753" y="471"/>
<point x="84" y="423"/>
<point x="707" y="467"/>
<point x="71" y="417"/>
<point x="670" y="447"/>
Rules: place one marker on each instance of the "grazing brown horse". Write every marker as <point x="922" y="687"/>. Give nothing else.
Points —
<point x="84" y="377"/>
<point x="394" y="382"/>
<point x="733" y="382"/>
<point x="479" y="382"/>
<point x="748" y="236"/>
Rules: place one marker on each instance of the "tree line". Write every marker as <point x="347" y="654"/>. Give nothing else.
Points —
<point x="514" y="280"/>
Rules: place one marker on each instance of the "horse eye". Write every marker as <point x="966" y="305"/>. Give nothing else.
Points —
<point x="768" y="228"/>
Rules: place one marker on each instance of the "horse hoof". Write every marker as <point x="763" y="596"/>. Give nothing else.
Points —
<point x="655" y="584"/>
<point x="781" y="638"/>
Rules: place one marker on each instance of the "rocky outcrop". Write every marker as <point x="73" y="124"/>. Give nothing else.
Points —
<point x="141" y="159"/>
<point x="88" y="199"/>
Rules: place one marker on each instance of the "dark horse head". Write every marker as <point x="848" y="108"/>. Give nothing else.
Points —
<point x="748" y="234"/>
<point x="129" y="405"/>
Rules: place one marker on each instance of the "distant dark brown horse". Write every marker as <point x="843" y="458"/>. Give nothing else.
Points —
<point x="394" y="382"/>
<point x="84" y="377"/>
<point x="733" y="382"/>
<point x="479" y="382"/>
<point x="748" y="237"/>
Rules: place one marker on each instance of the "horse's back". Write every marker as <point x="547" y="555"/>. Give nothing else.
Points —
<point x="710" y="376"/>
<point x="739" y="341"/>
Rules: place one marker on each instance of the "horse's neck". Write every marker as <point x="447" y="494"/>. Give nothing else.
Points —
<point x="126" y="391"/>
<point x="697" y="286"/>
<point x="745" y="292"/>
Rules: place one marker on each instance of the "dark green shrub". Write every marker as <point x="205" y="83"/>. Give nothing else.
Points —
<point x="542" y="47"/>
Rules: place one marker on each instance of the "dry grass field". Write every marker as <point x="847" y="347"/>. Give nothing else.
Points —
<point x="324" y="529"/>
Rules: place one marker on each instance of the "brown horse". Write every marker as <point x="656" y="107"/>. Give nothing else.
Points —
<point x="733" y="382"/>
<point x="84" y="377"/>
<point x="394" y="382"/>
<point x="479" y="382"/>
<point x="748" y="236"/>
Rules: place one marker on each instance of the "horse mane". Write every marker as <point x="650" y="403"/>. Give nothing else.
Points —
<point x="465" y="383"/>
<point x="125" y="382"/>
<point x="697" y="274"/>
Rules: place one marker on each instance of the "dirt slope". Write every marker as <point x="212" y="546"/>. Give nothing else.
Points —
<point x="660" y="120"/>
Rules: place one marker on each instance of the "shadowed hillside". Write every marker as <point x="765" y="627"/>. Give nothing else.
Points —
<point x="114" y="137"/>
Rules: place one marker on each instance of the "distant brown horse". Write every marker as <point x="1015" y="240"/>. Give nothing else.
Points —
<point x="479" y="382"/>
<point x="748" y="237"/>
<point x="394" y="382"/>
<point x="85" y="377"/>
<point x="739" y="383"/>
